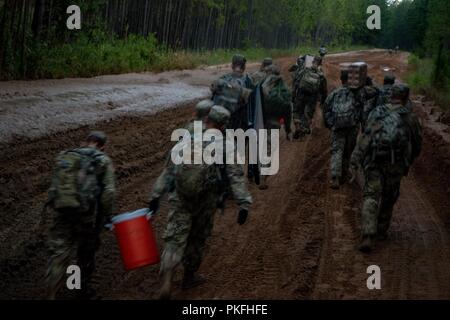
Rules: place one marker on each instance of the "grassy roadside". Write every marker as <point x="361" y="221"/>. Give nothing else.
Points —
<point x="420" y="78"/>
<point x="84" y="58"/>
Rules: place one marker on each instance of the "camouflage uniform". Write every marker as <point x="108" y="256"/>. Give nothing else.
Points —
<point x="343" y="140"/>
<point x="191" y="221"/>
<point x="305" y="104"/>
<point x="259" y="76"/>
<point x="272" y="117"/>
<point x="239" y="118"/>
<point x="369" y="98"/>
<point x="383" y="175"/>
<point x="77" y="234"/>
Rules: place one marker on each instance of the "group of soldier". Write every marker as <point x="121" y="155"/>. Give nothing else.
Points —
<point x="196" y="192"/>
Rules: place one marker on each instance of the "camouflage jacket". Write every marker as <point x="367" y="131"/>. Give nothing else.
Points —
<point x="363" y="153"/>
<point x="258" y="77"/>
<point x="384" y="94"/>
<point x="368" y="97"/>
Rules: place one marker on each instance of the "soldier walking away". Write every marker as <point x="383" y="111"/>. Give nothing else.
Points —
<point x="386" y="90"/>
<point x="323" y="51"/>
<point x="194" y="193"/>
<point x="259" y="76"/>
<point x="310" y="85"/>
<point x="82" y="196"/>
<point x="368" y="95"/>
<point x="277" y="105"/>
<point x="385" y="152"/>
<point x="233" y="92"/>
<point x="341" y="113"/>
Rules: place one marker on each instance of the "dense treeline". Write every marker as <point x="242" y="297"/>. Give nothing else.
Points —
<point x="33" y="32"/>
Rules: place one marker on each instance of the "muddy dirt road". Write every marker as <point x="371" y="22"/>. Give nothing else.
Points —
<point x="300" y="240"/>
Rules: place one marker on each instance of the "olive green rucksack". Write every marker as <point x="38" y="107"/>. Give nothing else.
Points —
<point x="389" y="134"/>
<point x="310" y="81"/>
<point x="228" y="92"/>
<point x="192" y="181"/>
<point x="75" y="184"/>
<point x="275" y="93"/>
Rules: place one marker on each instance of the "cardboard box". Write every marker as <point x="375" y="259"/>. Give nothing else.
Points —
<point x="357" y="75"/>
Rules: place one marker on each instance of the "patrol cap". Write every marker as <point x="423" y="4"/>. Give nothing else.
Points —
<point x="267" y="62"/>
<point x="203" y="108"/>
<point x="389" y="78"/>
<point x="97" y="136"/>
<point x="239" y="60"/>
<point x="400" y="91"/>
<point x="219" y="115"/>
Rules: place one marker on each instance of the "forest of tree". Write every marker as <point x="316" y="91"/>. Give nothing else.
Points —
<point x="30" y="28"/>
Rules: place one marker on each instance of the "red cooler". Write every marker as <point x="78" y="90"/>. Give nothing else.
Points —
<point x="136" y="239"/>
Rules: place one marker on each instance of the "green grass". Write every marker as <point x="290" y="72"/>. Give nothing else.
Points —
<point x="420" y="78"/>
<point x="84" y="58"/>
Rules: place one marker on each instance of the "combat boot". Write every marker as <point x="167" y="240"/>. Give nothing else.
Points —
<point x="166" y="285"/>
<point x="367" y="244"/>
<point x="192" y="280"/>
<point x="334" y="183"/>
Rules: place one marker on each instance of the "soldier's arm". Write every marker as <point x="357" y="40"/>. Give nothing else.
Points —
<point x="165" y="181"/>
<point x="108" y="196"/>
<point x="236" y="178"/>
<point x="361" y="149"/>
<point x="327" y="111"/>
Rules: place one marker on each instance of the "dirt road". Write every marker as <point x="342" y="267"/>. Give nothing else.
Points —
<point x="299" y="242"/>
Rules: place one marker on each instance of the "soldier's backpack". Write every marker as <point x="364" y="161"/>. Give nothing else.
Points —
<point x="390" y="137"/>
<point x="309" y="81"/>
<point x="227" y="92"/>
<point x="344" y="110"/>
<point x="275" y="93"/>
<point x="192" y="181"/>
<point x="75" y="184"/>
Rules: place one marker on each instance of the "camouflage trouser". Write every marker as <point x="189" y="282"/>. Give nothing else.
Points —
<point x="73" y="235"/>
<point x="189" y="226"/>
<point x="343" y="143"/>
<point x="304" y="110"/>
<point x="381" y="192"/>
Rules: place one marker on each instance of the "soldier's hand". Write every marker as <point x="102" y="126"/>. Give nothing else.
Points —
<point x="242" y="216"/>
<point x="153" y="206"/>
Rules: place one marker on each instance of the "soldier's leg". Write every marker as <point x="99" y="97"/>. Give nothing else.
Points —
<point x="350" y="144"/>
<point x="308" y="115"/>
<point x="371" y="204"/>
<point x="202" y="225"/>
<point x="298" y="111"/>
<point x="88" y="244"/>
<point x="176" y="235"/>
<point x="390" y="196"/>
<point x="337" y="151"/>
<point x="62" y="249"/>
